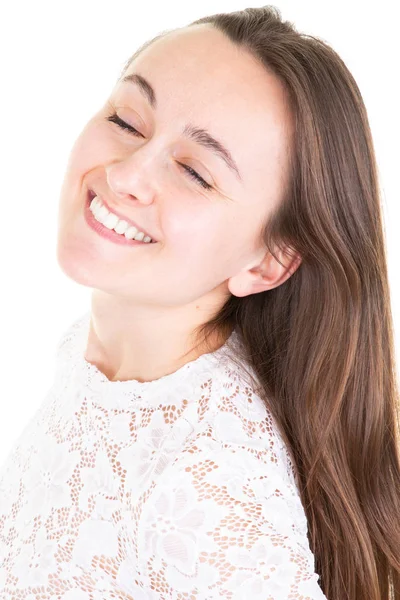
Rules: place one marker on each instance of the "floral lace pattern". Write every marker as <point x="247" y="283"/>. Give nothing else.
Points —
<point x="179" y="488"/>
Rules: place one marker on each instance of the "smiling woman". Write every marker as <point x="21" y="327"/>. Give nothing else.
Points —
<point x="222" y="423"/>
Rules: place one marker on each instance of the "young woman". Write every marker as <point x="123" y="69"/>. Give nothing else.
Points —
<point x="222" y="422"/>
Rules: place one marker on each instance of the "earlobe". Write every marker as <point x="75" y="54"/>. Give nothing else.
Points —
<point x="265" y="276"/>
<point x="250" y="282"/>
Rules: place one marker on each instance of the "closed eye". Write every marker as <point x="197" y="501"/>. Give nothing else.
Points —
<point x="114" y="118"/>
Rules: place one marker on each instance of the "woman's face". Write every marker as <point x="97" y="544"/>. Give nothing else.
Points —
<point x="205" y="236"/>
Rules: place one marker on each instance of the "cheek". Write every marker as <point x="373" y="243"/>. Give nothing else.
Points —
<point x="91" y="149"/>
<point x="89" y="152"/>
<point x="199" y="239"/>
<point x="189" y="224"/>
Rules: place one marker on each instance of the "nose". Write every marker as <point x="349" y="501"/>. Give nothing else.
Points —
<point x="128" y="182"/>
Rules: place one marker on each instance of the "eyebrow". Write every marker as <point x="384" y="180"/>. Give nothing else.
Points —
<point x="198" y="135"/>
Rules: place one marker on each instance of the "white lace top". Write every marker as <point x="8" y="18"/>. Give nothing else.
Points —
<point x="178" y="488"/>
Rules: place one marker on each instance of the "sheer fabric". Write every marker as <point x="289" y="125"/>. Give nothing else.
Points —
<point x="179" y="488"/>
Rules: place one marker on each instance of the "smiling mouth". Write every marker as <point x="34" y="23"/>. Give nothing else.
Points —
<point x="92" y="195"/>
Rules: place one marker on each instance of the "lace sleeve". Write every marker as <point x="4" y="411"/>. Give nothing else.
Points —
<point x="225" y="523"/>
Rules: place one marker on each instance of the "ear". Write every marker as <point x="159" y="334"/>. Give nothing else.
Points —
<point x="266" y="275"/>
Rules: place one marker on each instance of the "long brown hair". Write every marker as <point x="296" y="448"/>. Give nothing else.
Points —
<point x="321" y="344"/>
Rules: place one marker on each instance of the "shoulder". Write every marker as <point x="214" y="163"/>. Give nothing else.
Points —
<point x="242" y="422"/>
<point x="225" y="515"/>
<point x="227" y="522"/>
<point x="239" y="447"/>
<point x="230" y="415"/>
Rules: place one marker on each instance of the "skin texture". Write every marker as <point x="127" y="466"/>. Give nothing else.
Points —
<point x="147" y="299"/>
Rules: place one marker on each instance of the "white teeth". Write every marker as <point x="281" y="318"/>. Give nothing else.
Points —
<point x="121" y="226"/>
<point x="111" y="221"/>
<point x="131" y="232"/>
<point x="101" y="212"/>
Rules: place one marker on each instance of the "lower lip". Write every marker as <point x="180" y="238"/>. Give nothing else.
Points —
<point x="109" y="234"/>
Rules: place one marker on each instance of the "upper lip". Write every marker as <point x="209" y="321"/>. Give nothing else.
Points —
<point x="92" y="194"/>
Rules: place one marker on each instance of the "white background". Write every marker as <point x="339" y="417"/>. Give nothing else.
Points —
<point x="59" y="62"/>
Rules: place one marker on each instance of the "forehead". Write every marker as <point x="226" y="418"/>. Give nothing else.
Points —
<point x="200" y="76"/>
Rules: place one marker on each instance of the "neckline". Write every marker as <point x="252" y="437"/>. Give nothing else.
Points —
<point x="90" y="374"/>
